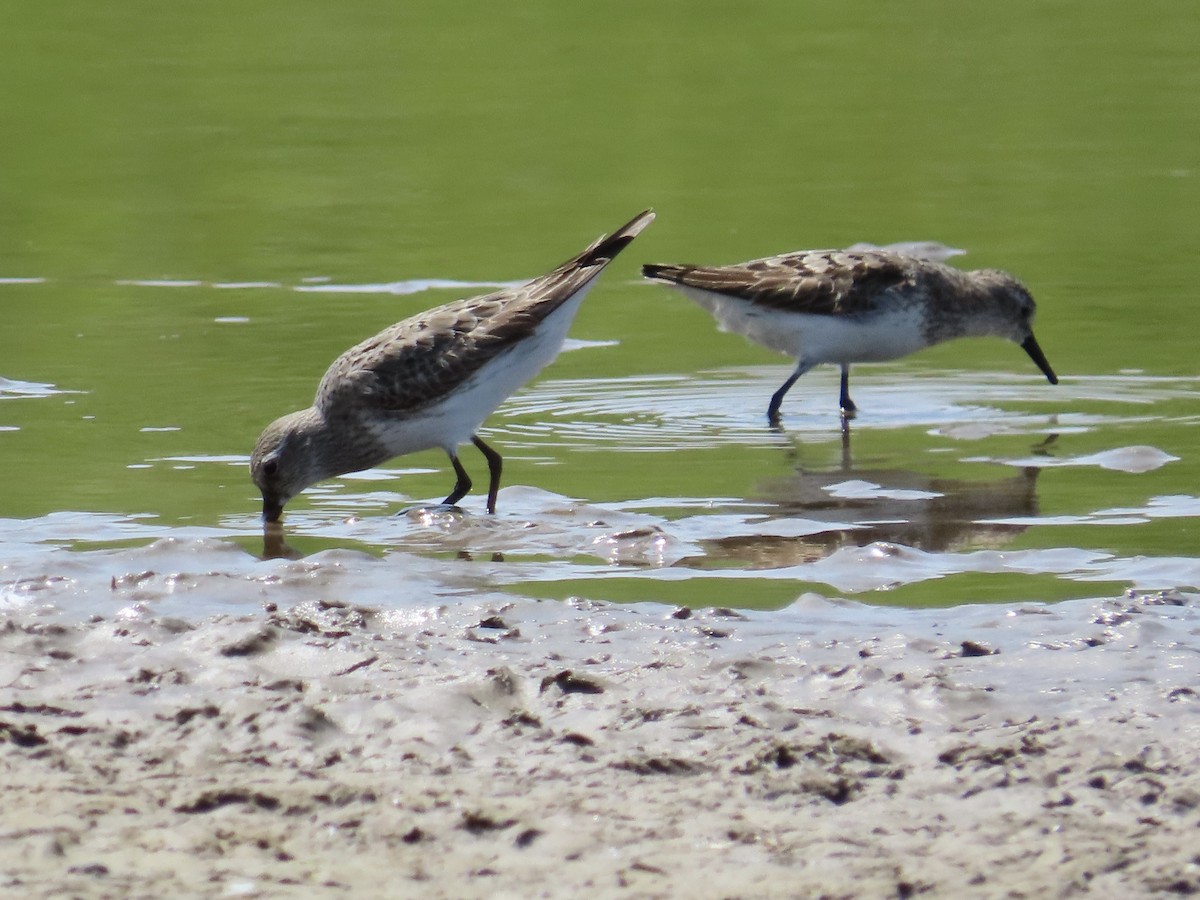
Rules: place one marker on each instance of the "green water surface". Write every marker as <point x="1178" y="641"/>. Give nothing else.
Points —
<point x="378" y="142"/>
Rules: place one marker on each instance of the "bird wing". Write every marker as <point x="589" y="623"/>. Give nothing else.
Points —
<point x="421" y="359"/>
<point x="817" y="282"/>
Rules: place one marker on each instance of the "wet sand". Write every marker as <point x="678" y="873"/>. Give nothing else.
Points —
<point x="515" y="748"/>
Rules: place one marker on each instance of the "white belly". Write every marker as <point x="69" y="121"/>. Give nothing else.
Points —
<point x="460" y="414"/>
<point x="816" y="338"/>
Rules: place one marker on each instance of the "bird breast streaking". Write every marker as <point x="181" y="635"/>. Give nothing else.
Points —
<point x="844" y="306"/>
<point x="429" y="382"/>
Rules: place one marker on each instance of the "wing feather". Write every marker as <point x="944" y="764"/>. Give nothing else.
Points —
<point x="418" y="361"/>
<point x="817" y="282"/>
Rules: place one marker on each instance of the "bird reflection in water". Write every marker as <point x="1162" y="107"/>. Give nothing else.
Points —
<point x="275" y="545"/>
<point x="894" y="506"/>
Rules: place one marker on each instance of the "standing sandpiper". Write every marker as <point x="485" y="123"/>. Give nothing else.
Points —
<point x="843" y="306"/>
<point x="429" y="381"/>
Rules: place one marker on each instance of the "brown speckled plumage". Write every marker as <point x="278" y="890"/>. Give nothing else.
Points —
<point x="430" y="371"/>
<point x="819" y="282"/>
<point x="836" y="306"/>
<point x="418" y="361"/>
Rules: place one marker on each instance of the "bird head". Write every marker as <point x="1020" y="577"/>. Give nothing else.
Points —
<point x="1012" y="309"/>
<point x="283" y="462"/>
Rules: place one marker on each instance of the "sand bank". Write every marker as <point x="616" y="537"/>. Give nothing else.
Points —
<point x="523" y="748"/>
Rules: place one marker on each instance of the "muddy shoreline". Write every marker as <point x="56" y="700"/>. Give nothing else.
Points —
<point x="529" y="748"/>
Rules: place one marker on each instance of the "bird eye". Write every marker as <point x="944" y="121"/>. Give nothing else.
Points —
<point x="270" y="467"/>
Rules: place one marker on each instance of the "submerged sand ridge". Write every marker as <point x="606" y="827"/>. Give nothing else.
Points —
<point x="509" y="747"/>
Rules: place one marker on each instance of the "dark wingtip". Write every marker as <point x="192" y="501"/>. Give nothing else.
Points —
<point x="662" y="271"/>
<point x="636" y="225"/>
<point x="606" y="249"/>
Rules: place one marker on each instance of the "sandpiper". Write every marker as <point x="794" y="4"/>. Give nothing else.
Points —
<point x="842" y="306"/>
<point x="429" y="382"/>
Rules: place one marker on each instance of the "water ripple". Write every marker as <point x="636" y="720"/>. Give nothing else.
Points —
<point x="670" y="412"/>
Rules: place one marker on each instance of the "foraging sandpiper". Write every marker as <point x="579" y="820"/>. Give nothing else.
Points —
<point x="429" y="382"/>
<point x="842" y="306"/>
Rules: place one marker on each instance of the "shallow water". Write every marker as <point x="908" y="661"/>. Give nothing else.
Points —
<point x="203" y="211"/>
<point x="956" y="491"/>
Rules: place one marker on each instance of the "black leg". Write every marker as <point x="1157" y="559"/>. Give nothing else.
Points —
<point x="777" y="397"/>
<point x="847" y="405"/>
<point x="461" y="486"/>
<point x="495" y="464"/>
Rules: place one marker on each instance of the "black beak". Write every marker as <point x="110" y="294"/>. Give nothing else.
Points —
<point x="272" y="510"/>
<point x="1030" y="346"/>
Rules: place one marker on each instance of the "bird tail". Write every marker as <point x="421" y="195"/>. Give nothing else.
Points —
<point x="547" y="292"/>
<point x="605" y="249"/>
